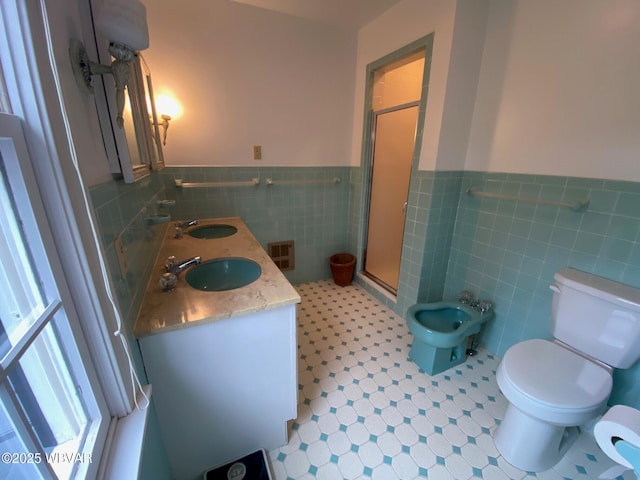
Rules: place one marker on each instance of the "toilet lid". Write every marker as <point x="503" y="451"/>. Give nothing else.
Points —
<point x="555" y="376"/>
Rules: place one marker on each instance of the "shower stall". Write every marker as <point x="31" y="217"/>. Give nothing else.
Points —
<point x="396" y="93"/>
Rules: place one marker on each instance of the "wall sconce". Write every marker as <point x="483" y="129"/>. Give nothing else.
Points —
<point x="168" y="108"/>
<point x="165" y="126"/>
<point x="124" y="24"/>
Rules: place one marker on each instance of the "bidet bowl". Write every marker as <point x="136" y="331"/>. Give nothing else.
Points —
<point x="444" y="324"/>
<point x="212" y="231"/>
<point x="221" y="274"/>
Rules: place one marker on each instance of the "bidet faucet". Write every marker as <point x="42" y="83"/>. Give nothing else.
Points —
<point x="482" y="306"/>
<point x="180" y="227"/>
<point x="466" y="297"/>
<point x="180" y="267"/>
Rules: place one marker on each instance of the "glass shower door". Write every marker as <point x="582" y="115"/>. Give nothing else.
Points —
<point x="393" y="146"/>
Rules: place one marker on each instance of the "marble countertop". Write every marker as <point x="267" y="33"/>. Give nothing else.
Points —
<point x="185" y="306"/>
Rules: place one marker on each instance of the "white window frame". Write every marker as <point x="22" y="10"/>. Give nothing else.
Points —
<point x="17" y="164"/>
<point x="34" y="94"/>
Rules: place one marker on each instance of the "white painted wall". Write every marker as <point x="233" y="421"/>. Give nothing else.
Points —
<point x="557" y="88"/>
<point x="462" y="82"/>
<point x="246" y="76"/>
<point x="459" y="28"/>
<point x="399" y="26"/>
<point x="558" y="91"/>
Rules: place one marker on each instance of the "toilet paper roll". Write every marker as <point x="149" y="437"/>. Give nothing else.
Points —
<point x="619" y="423"/>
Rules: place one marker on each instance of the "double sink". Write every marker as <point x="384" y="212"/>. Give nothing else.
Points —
<point x="235" y="278"/>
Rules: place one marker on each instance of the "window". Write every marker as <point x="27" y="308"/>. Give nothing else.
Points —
<point x="49" y="414"/>
<point x="67" y="388"/>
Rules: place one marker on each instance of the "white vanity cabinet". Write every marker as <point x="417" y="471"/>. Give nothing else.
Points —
<point x="223" y="389"/>
<point x="223" y="364"/>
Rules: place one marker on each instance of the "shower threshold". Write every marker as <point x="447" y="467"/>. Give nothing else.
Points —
<point x="380" y="283"/>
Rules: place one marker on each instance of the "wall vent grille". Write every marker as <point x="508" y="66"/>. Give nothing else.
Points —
<point x="282" y="254"/>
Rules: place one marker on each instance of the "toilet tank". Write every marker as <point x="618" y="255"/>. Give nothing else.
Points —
<point x="597" y="316"/>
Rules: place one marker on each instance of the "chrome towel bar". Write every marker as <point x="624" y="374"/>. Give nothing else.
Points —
<point x="578" y="206"/>
<point x="251" y="183"/>
<point x="254" y="182"/>
<point x="269" y="181"/>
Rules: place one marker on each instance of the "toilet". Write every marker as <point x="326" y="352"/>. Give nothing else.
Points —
<point x="556" y="386"/>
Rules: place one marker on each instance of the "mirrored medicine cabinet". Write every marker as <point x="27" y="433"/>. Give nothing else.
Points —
<point x="134" y="150"/>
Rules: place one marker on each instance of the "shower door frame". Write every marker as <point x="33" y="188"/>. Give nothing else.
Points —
<point x="423" y="44"/>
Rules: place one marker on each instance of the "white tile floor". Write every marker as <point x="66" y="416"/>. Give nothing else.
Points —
<point x="366" y="411"/>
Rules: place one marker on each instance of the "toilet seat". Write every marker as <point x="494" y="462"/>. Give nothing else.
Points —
<point x="549" y="382"/>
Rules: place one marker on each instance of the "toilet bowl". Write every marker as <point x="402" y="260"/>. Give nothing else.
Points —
<point x="441" y="331"/>
<point x="551" y="391"/>
<point x="554" y="387"/>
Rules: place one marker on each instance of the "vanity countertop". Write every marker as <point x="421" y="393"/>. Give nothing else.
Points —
<point x="185" y="306"/>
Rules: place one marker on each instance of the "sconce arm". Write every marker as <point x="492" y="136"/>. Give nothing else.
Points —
<point x="84" y="69"/>
<point x="83" y="66"/>
<point x="120" y="72"/>
<point x="165" y="127"/>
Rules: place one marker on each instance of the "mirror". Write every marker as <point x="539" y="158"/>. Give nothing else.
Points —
<point x="137" y="167"/>
<point x="157" y="156"/>
<point x="143" y="119"/>
<point x="120" y="143"/>
<point x="134" y="150"/>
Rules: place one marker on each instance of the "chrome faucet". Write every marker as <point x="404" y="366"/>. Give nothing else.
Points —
<point x="482" y="306"/>
<point x="178" y="267"/>
<point x="467" y="298"/>
<point x="180" y="227"/>
<point x="173" y="268"/>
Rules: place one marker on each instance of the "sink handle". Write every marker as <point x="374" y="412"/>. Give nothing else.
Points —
<point x="483" y="306"/>
<point x="170" y="263"/>
<point x="168" y="281"/>
<point x="466" y="297"/>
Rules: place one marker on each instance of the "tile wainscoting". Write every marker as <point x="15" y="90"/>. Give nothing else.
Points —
<point x="503" y="250"/>
<point x="302" y="205"/>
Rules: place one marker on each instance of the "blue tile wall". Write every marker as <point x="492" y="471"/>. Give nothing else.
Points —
<point x="122" y="210"/>
<point x="314" y="215"/>
<point x="411" y="285"/>
<point x="508" y="251"/>
<point x="356" y="223"/>
<point x="429" y="229"/>
<point x="429" y="226"/>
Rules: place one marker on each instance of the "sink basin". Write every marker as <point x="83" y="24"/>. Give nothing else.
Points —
<point x="213" y="231"/>
<point x="222" y="274"/>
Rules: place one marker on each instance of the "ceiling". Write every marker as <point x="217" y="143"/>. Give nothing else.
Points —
<point x="343" y="13"/>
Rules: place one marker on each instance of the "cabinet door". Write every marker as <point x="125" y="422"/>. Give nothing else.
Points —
<point x="225" y="388"/>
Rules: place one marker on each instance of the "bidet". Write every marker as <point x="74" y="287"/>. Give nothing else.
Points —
<point x="441" y="331"/>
